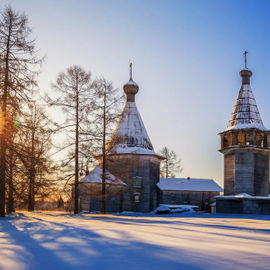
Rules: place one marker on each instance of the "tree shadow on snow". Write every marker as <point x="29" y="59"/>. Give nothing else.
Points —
<point x="65" y="244"/>
<point x="32" y="255"/>
<point x="57" y="243"/>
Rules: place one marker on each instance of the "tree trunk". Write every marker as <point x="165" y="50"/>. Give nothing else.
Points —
<point x="167" y="161"/>
<point x="3" y="143"/>
<point x="10" y="203"/>
<point x="76" y="191"/>
<point x="103" y="191"/>
<point x="2" y="176"/>
<point x="31" y="195"/>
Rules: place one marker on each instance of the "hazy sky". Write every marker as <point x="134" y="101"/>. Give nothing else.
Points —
<point x="186" y="57"/>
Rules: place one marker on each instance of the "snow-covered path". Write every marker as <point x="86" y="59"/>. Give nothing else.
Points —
<point x="62" y="241"/>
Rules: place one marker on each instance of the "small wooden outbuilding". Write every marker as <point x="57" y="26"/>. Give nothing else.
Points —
<point x="178" y="191"/>
<point x="90" y="192"/>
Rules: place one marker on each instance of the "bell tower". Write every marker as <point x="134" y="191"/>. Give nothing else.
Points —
<point x="245" y="145"/>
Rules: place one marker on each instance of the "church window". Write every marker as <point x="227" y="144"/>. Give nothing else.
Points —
<point x="229" y="139"/>
<point x="225" y="141"/>
<point x="137" y="182"/>
<point x="259" y="139"/>
<point x="265" y="141"/>
<point x="241" y="138"/>
<point x="136" y="197"/>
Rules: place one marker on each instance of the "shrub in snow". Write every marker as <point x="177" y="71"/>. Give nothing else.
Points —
<point x="163" y="210"/>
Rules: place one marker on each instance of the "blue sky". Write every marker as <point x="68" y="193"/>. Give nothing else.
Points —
<point x="186" y="56"/>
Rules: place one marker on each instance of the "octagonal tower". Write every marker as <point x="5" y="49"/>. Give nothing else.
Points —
<point x="246" y="144"/>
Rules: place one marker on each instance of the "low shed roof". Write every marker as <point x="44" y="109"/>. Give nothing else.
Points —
<point x="184" y="184"/>
<point x="95" y="176"/>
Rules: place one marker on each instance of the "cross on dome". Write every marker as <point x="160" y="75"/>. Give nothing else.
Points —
<point x="130" y="70"/>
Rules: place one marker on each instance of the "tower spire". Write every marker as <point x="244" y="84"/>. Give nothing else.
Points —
<point x="245" y="54"/>
<point x="245" y="113"/>
<point x="130" y="135"/>
<point x="130" y="70"/>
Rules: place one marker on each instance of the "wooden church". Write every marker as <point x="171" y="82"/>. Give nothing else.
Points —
<point x="133" y="171"/>
<point x="133" y="166"/>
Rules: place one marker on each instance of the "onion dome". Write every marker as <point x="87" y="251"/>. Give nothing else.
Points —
<point x="131" y="89"/>
<point x="245" y="74"/>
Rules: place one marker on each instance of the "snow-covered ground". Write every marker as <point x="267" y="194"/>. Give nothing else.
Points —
<point x="180" y="241"/>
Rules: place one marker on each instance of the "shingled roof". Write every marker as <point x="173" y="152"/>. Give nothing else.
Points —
<point x="245" y="113"/>
<point x="95" y="176"/>
<point x="183" y="184"/>
<point x="130" y="135"/>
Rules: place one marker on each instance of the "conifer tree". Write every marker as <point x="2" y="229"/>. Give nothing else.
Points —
<point x="107" y="104"/>
<point x="74" y="98"/>
<point x="19" y="65"/>
<point x="34" y="152"/>
<point x="29" y="162"/>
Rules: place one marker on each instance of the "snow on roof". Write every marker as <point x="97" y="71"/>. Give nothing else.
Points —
<point x="130" y="135"/>
<point x="95" y="176"/>
<point x="243" y="195"/>
<point x="245" y="113"/>
<point x="188" y="184"/>
<point x="131" y="82"/>
<point x="122" y="149"/>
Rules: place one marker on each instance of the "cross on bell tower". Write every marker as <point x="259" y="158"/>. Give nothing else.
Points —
<point x="245" y="54"/>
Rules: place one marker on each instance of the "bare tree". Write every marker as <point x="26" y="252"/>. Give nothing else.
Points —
<point x="32" y="147"/>
<point x="11" y="171"/>
<point x="74" y="95"/>
<point x="107" y="101"/>
<point x="11" y="159"/>
<point x="18" y="71"/>
<point x="171" y="165"/>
